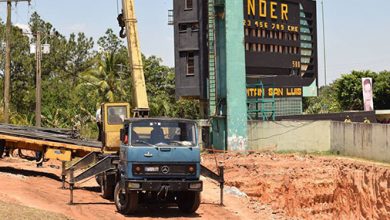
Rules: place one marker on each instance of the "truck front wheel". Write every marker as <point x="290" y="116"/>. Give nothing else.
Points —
<point x="189" y="202"/>
<point x="126" y="202"/>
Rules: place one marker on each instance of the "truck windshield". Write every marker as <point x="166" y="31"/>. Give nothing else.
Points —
<point x="163" y="133"/>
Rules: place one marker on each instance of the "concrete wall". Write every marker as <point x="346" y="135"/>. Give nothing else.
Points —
<point x="289" y="135"/>
<point x="368" y="141"/>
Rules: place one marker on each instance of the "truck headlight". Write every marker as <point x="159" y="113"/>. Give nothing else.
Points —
<point x="195" y="185"/>
<point x="134" y="185"/>
<point x="137" y="169"/>
<point x="191" y="169"/>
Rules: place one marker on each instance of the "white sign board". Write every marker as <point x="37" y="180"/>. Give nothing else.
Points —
<point x="367" y="94"/>
<point x="46" y="49"/>
<point x="32" y="48"/>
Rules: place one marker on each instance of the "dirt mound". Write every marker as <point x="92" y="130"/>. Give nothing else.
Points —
<point x="310" y="187"/>
<point x="362" y="192"/>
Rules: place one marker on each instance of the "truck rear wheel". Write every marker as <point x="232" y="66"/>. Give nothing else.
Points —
<point x="189" y="202"/>
<point x="107" y="186"/>
<point x="125" y="202"/>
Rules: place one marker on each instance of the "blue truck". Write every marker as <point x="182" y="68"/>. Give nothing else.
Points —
<point x="155" y="161"/>
<point x="159" y="161"/>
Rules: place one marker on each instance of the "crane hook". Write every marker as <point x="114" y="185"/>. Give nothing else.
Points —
<point x="122" y="25"/>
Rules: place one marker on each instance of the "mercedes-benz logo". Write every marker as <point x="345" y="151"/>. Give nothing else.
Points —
<point x="165" y="169"/>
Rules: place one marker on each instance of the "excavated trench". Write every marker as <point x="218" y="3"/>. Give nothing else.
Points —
<point x="310" y="187"/>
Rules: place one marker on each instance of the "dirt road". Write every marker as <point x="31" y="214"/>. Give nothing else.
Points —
<point x="23" y="184"/>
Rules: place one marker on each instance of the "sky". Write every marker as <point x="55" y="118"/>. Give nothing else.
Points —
<point x="357" y="32"/>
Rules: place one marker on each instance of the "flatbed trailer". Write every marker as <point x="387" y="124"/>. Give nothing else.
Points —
<point x="60" y="144"/>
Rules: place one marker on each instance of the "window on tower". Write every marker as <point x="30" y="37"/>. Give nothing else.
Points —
<point x="190" y="64"/>
<point x="188" y="5"/>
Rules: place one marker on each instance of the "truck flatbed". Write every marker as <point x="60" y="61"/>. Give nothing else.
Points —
<point x="36" y="139"/>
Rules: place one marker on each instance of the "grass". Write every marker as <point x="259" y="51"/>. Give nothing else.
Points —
<point x="89" y="131"/>
<point x="13" y="211"/>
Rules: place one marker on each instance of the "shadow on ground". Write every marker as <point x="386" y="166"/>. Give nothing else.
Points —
<point x="29" y="173"/>
<point x="162" y="212"/>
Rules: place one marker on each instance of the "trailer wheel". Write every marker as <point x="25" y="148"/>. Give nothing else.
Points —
<point x="126" y="202"/>
<point x="189" y="202"/>
<point x="107" y="186"/>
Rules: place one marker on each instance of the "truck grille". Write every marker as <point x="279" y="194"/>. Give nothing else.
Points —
<point x="164" y="170"/>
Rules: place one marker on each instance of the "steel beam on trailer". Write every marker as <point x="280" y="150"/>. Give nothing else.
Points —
<point x="86" y="161"/>
<point x="103" y="165"/>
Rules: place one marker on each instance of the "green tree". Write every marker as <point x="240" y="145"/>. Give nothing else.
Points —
<point x="22" y="71"/>
<point x="61" y="73"/>
<point x="325" y="102"/>
<point x="110" y="42"/>
<point x="104" y="79"/>
<point x="381" y="89"/>
<point x="75" y="79"/>
<point x="349" y="90"/>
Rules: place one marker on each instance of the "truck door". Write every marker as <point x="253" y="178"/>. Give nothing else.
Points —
<point x="113" y="115"/>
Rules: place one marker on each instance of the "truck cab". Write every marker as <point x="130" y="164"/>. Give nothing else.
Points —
<point x="159" y="163"/>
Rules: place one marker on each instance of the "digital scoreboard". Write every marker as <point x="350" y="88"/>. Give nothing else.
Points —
<point x="281" y="45"/>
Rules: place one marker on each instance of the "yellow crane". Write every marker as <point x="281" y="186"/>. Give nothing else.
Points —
<point x="140" y="99"/>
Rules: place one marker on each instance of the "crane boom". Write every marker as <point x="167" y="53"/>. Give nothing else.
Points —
<point x="140" y="99"/>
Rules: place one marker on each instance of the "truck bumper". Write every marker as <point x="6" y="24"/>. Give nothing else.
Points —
<point x="156" y="185"/>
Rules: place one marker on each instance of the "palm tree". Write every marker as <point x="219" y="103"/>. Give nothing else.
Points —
<point x="105" y="79"/>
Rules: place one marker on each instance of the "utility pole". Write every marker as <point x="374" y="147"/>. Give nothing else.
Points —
<point x="7" y="74"/>
<point x="323" y="32"/>
<point x="38" y="89"/>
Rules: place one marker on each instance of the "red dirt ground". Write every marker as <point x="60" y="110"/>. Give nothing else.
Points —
<point x="310" y="187"/>
<point x="23" y="184"/>
<point x="278" y="187"/>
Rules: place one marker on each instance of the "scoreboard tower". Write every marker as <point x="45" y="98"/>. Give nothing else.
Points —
<point x="240" y="56"/>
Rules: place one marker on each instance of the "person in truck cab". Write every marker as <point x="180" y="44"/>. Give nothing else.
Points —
<point x="157" y="136"/>
<point x="114" y="118"/>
